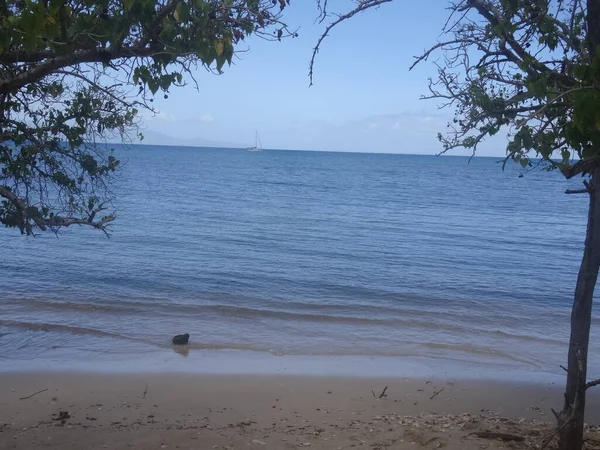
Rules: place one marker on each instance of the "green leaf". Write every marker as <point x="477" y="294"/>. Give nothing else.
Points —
<point x="527" y="141"/>
<point x="588" y="151"/>
<point x="177" y="12"/>
<point x="128" y="4"/>
<point x="219" y="47"/>
<point x="580" y="70"/>
<point x="153" y="86"/>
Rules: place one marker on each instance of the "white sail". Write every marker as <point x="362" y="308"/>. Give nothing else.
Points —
<point x="257" y="144"/>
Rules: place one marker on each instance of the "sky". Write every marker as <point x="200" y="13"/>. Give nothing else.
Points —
<point x="364" y="98"/>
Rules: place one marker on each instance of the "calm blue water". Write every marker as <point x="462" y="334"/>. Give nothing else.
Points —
<point x="305" y="253"/>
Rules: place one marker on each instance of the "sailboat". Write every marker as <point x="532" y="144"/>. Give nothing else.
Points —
<point x="257" y="145"/>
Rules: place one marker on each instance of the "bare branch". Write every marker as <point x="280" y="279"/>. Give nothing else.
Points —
<point x="363" y="6"/>
<point x="591" y="384"/>
<point x="97" y="86"/>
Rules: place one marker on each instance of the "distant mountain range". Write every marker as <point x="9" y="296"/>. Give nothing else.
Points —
<point x="156" y="138"/>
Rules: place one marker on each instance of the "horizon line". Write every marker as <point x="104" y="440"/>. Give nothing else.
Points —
<point x="305" y="150"/>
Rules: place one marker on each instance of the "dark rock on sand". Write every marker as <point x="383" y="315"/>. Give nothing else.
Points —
<point x="181" y="339"/>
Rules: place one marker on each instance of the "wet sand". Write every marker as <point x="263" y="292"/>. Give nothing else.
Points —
<point x="158" y="411"/>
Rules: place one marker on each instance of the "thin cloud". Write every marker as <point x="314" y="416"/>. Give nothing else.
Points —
<point x="207" y="118"/>
<point x="165" y="117"/>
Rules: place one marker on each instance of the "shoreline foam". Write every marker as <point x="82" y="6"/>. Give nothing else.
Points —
<point x="204" y="362"/>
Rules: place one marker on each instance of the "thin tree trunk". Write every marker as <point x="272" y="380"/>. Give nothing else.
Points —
<point x="571" y="418"/>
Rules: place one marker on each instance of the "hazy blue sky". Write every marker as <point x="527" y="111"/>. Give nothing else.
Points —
<point x="364" y="97"/>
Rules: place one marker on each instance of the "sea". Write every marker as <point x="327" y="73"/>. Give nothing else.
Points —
<point x="305" y="262"/>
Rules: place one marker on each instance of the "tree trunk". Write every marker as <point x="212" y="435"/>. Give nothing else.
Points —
<point x="571" y="418"/>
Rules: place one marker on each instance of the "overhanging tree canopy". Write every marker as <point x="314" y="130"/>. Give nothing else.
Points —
<point x="532" y="68"/>
<point x="76" y="72"/>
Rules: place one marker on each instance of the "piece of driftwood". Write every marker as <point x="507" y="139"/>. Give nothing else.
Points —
<point x="35" y="393"/>
<point x="383" y="392"/>
<point x="502" y="436"/>
<point x="436" y="393"/>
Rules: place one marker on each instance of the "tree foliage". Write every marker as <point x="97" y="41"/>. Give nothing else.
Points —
<point x="74" y="73"/>
<point x="527" y="67"/>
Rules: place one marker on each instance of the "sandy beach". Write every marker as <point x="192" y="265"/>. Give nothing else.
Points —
<point x="177" y="411"/>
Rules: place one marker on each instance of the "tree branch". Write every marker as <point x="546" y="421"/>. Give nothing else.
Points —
<point x="52" y="65"/>
<point x="25" y="58"/>
<point x="97" y="86"/>
<point x="363" y="6"/>
<point x="56" y="222"/>
<point x="581" y="167"/>
<point x="102" y="224"/>
<point x="591" y="384"/>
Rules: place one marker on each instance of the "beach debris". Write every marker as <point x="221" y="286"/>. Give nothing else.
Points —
<point x="62" y="417"/>
<point x="181" y="339"/>
<point x="35" y="393"/>
<point x="436" y="393"/>
<point x="145" y="391"/>
<point x="245" y="423"/>
<point x="256" y="441"/>
<point x="383" y="393"/>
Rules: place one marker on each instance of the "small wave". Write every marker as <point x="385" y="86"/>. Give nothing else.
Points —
<point x="470" y="349"/>
<point x="402" y="318"/>
<point x="48" y="327"/>
<point x="116" y="308"/>
<point x="251" y="313"/>
<point x="435" y="350"/>
<point x="219" y="346"/>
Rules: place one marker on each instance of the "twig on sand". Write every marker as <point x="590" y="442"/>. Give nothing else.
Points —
<point x="380" y="395"/>
<point x="436" y="393"/>
<point x="145" y="391"/>
<point x="502" y="436"/>
<point x="35" y="393"/>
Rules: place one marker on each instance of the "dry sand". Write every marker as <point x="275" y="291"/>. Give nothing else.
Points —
<point x="85" y="411"/>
